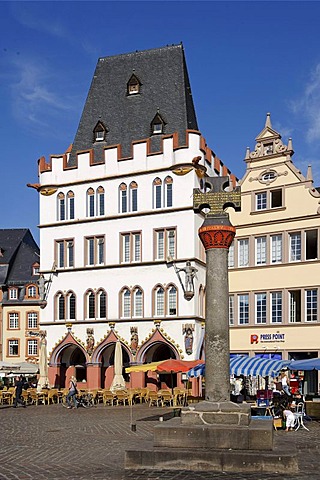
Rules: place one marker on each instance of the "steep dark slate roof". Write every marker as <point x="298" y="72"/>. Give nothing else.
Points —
<point x="165" y="87"/>
<point x="18" y="252"/>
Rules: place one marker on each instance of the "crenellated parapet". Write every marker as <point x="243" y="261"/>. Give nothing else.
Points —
<point x="172" y="152"/>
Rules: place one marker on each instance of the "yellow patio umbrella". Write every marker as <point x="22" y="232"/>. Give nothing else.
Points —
<point x="144" y="367"/>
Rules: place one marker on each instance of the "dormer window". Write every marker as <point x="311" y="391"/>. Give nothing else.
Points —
<point x="157" y="125"/>
<point x="13" y="293"/>
<point x="99" y="132"/>
<point x="133" y="86"/>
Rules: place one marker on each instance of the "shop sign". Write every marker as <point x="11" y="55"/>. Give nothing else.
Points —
<point x="275" y="337"/>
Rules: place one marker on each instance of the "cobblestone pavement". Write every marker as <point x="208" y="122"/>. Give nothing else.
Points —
<point x="52" y="443"/>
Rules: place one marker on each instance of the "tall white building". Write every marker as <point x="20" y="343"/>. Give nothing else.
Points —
<point x="116" y="223"/>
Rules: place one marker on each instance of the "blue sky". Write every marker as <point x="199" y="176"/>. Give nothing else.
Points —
<point x="244" y="59"/>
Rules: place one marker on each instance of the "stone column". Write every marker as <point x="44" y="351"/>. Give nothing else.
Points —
<point x="217" y="235"/>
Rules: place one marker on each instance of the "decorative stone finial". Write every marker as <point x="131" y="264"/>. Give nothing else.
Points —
<point x="247" y="153"/>
<point x="309" y="174"/>
<point x="290" y="147"/>
<point x="268" y="121"/>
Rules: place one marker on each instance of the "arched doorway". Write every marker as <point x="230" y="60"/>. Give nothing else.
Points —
<point x="73" y="358"/>
<point x="156" y="353"/>
<point x="106" y="359"/>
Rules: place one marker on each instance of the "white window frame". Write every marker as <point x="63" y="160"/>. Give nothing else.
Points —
<point x="32" y="320"/>
<point x="260" y="308"/>
<point x="165" y="243"/>
<point x="295" y="247"/>
<point x="13" y="321"/>
<point x="32" y="347"/>
<point x="311" y="305"/>
<point x="276" y="248"/>
<point x="11" y="344"/>
<point x="243" y="311"/>
<point x="261" y="250"/>
<point x="243" y="252"/>
<point x="276" y="307"/>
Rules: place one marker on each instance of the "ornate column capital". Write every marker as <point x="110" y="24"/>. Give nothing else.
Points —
<point x="217" y="236"/>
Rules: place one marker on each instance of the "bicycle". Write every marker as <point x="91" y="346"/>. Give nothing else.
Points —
<point x="84" y="400"/>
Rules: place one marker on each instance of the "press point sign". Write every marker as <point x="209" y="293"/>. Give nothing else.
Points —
<point x="267" y="338"/>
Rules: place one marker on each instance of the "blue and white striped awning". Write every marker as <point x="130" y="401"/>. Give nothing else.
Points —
<point x="244" y="365"/>
<point x="255" y="366"/>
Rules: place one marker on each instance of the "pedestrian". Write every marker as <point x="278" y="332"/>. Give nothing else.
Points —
<point x="18" y="392"/>
<point x="289" y="418"/>
<point x="72" y="392"/>
<point x="285" y="383"/>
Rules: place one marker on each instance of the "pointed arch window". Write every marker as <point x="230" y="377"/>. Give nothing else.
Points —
<point x="168" y="184"/>
<point x="159" y="302"/>
<point x="71" y="305"/>
<point x="133" y="197"/>
<point x="138" y="302"/>
<point x="123" y="198"/>
<point x="157" y="125"/>
<point x="60" y="302"/>
<point x="157" y="193"/>
<point x="70" y="205"/>
<point x="100" y="201"/>
<point x="61" y="207"/>
<point x="172" y="300"/>
<point x="91" y="305"/>
<point x="90" y="202"/>
<point x="102" y="304"/>
<point x="133" y="85"/>
<point x="126" y="303"/>
<point x="99" y="132"/>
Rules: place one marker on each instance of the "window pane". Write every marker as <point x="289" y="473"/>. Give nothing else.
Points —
<point x="102" y="305"/>
<point x="72" y="307"/>
<point x="138" y="303"/>
<point x="61" y="254"/>
<point x="172" y="301"/>
<point x="158" y="196"/>
<point x="62" y="214"/>
<point x="91" y="305"/>
<point x="160" y="249"/>
<point x="243" y="309"/>
<point x="169" y="194"/>
<point x="61" y="307"/>
<point x="71" y="208"/>
<point x="101" y="203"/>
<point x="13" y="320"/>
<point x="295" y="306"/>
<point x="100" y="251"/>
<point x="243" y="259"/>
<point x="32" y="347"/>
<point x="134" y="199"/>
<point x="261" y="251"/>
<point x="126" y="248"/>
<point x="32" y="320"/>
<point x="171" y="243"/>
<point x="231" y="256"/>
<point x="261" y="307"/>
<point x="13" y="347"/>
<point x="276" y="307"/>
<point x="231" y="309"/>
<point x="276" y="248"/>
<point x="137" y="247"/>
<point x="295" y="247"/>
<point x="311" y="305"/>
<point x="70" y="254"/>
<point x="91" y="205"/>
<point x="261" y="201"/>
<point x="126" y="303"/>
<point x="160" y="302"/>
<point x="123" y="201"/>
<point x="91" y="251"/>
